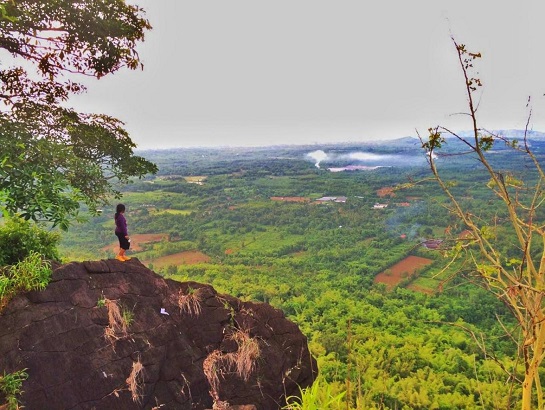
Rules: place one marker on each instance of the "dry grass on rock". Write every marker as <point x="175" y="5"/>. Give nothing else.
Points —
<point x="135" y="381"/>
<point x="117" y="325"/>
<point x="190" y="302"/>
<point x="243" y="362"/>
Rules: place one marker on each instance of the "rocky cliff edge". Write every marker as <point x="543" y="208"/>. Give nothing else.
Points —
<point x="112" y="335"/>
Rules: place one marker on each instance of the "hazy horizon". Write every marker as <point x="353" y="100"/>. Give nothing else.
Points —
<point x="262" y="144"/>
<point x="242" y="73"/>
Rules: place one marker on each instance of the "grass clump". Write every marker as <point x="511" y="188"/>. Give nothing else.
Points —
<point x="119" y="320"/>
<point x="214" y="367"/>
<point x="135" y="381"/>
<point x="101" y="302"/>
<point x="190" y="302"/>
<point x="242" y="362"/>
<point x="128" y="316"/>
<point x="10" y="386"/>
<point x="247" y="354"/>
<point x="318" y="396"/>
<point x="32" y="273"/>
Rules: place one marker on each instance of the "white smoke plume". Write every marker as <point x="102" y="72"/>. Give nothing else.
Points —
<point x="363" y="159"/>
<point x="318" y="156"/>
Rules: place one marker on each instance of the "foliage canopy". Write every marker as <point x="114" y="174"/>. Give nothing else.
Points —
<point x="54" y="157"/>
<point x="21" y="238"/>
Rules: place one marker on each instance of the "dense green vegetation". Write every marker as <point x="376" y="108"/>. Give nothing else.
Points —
<point x="54" y="158"/>
<point x="10" y="388"/>
<point x="31" y="273"/>
<point x="425" y="343"/>
<point x="419" y="338"/>
<point x="21" y="238"/>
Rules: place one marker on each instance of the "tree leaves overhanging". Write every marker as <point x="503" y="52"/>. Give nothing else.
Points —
<point x="53" y="157"/>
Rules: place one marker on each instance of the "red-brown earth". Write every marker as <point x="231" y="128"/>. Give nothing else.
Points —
<point x="401" y="270"/>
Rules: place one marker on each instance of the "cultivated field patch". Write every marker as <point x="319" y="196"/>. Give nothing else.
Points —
<point x="171" y="212"/>
<point x="401" y="270"/>
<point x="422" y="289"/>
<point x="386" y="191"/>
<point x="290" y="198"/>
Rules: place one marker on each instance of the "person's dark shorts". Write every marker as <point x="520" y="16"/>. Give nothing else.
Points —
<point x="123" y="242"/>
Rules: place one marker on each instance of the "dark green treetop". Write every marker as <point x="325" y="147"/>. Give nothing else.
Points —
<point x="52" y="157"/>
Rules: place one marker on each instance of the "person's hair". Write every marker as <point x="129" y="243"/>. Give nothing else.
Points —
<point x="119" y="208"/>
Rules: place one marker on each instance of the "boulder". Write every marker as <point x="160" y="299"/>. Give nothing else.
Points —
<point x="115" y="335"/>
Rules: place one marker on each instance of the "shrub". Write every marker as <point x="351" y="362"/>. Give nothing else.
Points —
<point x="10" y="386"/>
<point x="19" y="238"/>
<point x="32" y="273"/>
<point x="318" y="396"/>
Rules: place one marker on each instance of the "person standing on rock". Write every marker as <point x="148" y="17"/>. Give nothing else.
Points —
<point x="122" y="233"/>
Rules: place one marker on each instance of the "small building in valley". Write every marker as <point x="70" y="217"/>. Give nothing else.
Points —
<point x="432" y="243"/>
<point x="380" y="206"/>
<point x="339" y="199"/>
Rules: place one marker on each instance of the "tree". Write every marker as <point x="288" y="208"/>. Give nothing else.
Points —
<point x="53" y="157"/>
<point x="517" y="281"/>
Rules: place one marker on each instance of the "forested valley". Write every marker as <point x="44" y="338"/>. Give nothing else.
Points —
<point x="351" y="242"/>
<point x="415" y="267"/>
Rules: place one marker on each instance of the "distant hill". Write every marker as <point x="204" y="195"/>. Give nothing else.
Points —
<point x="511" y="134"/>
<point x="403" y="152"/>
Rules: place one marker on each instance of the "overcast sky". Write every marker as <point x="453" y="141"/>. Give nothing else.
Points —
<point x="252" y="72"/>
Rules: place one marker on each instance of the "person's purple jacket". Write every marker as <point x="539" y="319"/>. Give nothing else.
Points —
<point x="121" y="225"/>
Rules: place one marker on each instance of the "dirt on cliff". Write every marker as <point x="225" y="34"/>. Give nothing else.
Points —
<point x="112" y="335"/>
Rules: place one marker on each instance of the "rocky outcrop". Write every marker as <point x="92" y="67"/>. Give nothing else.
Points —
<point x="113" y="335"/>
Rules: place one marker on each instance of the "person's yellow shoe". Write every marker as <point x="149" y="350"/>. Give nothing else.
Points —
<point x="120" y="258"/>
<point x="127" y="258"/>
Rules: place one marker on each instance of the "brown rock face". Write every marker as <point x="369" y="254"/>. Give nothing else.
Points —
<point x="113" y="335"/>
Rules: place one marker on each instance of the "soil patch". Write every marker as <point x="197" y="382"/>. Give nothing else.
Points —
<point x="401" y="270"/>
<point x="180" y="258"/>
<point x="290" y="198"/>
<point x="386" y="191"/>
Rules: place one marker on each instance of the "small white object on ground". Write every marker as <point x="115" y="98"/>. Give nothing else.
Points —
<point x="164" y="312"/>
